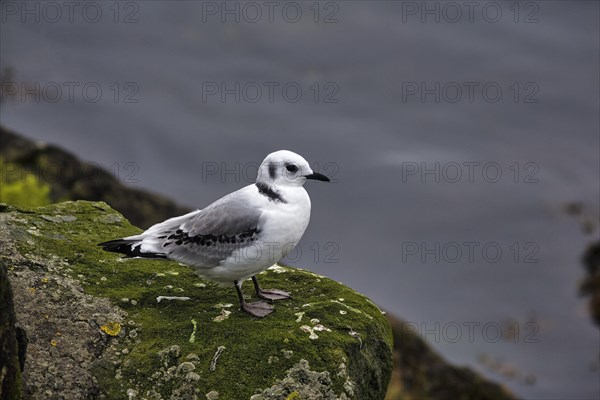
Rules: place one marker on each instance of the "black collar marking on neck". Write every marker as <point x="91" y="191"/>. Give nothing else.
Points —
<point x="266" y="190"/>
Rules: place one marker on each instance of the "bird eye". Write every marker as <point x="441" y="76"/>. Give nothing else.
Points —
<point x="291" y="168"/>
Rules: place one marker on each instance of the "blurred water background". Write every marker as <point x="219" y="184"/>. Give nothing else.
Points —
<point x="416" y="165"/>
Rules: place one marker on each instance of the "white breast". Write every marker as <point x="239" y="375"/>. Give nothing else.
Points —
<point x="282" y="226"/>
<point x="285" y="223"/>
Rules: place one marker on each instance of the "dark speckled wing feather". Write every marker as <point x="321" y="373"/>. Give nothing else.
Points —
<point x="214" y="233"/>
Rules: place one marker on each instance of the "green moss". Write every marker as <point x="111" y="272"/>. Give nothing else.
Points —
<point x="256" y="353"/>
<point x="24" y="190"/>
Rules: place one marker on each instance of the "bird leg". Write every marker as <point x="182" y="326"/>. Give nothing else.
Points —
<point x="269" y="294"/>
<point x="257" y="309"/>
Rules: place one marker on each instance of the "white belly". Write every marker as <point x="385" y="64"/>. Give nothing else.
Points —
<point x="281" y="230"/>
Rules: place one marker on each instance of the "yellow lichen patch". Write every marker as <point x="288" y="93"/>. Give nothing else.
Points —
<point x="25" y="191"/>
<point x="31" y="290"/>
<point x="53" y="342"/>
<point x="111" y="329"/>
<point x="293" y="395"/>
<point x="45" y="279"/>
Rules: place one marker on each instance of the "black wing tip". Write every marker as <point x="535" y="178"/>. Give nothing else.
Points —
<point x="124" y="246"/>
<point x="112" y="245"/>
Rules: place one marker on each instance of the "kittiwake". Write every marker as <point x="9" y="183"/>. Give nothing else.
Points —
<point x="239" y="235"/>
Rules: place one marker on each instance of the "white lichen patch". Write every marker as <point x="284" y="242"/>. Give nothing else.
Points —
<point x="355" y="310"/>
<point x="299" y="315"/>
<point x="213" y="363"/>
<point x="355" y="335"/>
<point x="186" y="367"/>
<point x="349" y="385"/>
<point x="277" y="269"/>
<point x="171" y="272"/>
<point x="312" y="335"/>
<point x="200" y="284"/>
<point x="169" y="354"/>
<point x="193" y="335"/>
<point x="226" y="305"/>
<point x="311" y="330"/>
<point x="127" y="259"/>
<point x="314" y="321"/>
<point x="302" y="383"/>
<point x="192" y="376"/>
<point x="342" y="371"/>
<point x="173" y="372"/>
<point x="160" y="298"/>
<point x="223" y="316"/>
<point x="287" y="353"/>
<point x="33" y="231"/>
<point x="343" y="312"/>
<point x="212" y="395"/>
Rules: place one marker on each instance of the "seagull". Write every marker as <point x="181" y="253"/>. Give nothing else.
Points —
<point x="239" y="235"/>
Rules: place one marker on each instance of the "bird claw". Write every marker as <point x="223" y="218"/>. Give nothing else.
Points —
<point x="259" y="309"/>
<point x="273" y="294"/>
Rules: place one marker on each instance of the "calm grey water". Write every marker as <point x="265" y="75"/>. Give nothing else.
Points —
<point x="454" y="146"/>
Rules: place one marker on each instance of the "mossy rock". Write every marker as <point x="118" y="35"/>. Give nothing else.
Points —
<point x="92" y="311"/>
<point x="36" y="174"/>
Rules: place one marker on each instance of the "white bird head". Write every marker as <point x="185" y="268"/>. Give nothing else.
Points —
<point x="286" y="168"/>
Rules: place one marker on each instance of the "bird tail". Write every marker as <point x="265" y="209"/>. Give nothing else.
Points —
<point x="129" y="247"/>
<point x="149" y="244"/>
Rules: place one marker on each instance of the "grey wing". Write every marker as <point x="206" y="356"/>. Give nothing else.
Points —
<point x="214" y="233"/>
